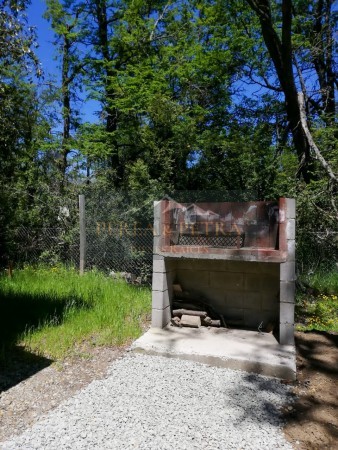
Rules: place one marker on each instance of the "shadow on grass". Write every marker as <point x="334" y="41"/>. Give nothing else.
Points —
<point x="20" y="312"/>
<point x="18" y="365"/>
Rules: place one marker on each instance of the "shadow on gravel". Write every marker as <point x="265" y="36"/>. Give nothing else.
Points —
<point x="270" y="395"/>
<point x="311" y="405"/>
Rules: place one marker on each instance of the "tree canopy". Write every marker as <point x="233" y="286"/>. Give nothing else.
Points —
<point x="236" y="95"/>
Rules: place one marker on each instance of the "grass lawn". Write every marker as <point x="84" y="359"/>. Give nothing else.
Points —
<point x="50" y="311"/>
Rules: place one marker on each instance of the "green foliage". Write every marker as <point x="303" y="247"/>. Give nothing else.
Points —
<point x="19" y="114"/>
<point x="317" y="308"/>
<point x="324" y="282"/>
<point x="319" y="313"/>
<point x="16" y="37"/>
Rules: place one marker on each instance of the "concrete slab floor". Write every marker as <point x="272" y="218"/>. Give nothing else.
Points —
<point x="250" y="351"/>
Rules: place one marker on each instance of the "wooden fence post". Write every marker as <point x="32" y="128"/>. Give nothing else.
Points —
<point x="82" y="233"/>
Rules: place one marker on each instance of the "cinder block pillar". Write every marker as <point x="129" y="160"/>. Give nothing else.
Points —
<point x="157" y="227"/>
<point x="161" y="313"/>
<point x="287" y="271"/>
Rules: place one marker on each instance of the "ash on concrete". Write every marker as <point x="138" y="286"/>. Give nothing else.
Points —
<point x="250" y="351"/>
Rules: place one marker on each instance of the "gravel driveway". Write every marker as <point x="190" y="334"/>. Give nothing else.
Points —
<point x="151" y="402"/>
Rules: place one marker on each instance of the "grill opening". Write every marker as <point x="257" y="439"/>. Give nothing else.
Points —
<point x="229" y="240"/>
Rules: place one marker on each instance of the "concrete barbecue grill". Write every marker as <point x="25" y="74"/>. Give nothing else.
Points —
<point x="239" y="257"/>
<point x="229" y="265"/>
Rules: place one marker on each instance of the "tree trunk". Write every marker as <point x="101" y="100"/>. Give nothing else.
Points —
<point x="111" y="111"/>
<point x="66" y="111"/>
<point x="280" y="51"/>
<point x="322" y="49"/>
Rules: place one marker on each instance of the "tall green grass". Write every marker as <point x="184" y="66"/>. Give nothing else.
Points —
<point x="324" y="282"/>
<point x="51" y="311"/>
<point x="317" y="308"/>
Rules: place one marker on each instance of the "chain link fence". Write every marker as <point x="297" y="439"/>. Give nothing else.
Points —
<point x="119" y="238"/>
<point x="117" y="249"/>
<point x="44" y="245"/>
<point x="316" y="251"/>
<point x="109" y="250"/>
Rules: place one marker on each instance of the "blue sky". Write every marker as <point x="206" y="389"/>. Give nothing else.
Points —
<point x="46" y="52"/>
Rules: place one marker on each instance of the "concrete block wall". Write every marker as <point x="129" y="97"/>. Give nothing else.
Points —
<point x="247" y="292"/>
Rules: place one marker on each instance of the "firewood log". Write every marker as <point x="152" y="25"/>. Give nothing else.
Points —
<point x="188" y="312"/>
<point x="206" y="321"/>
<point x="176" y="322"/>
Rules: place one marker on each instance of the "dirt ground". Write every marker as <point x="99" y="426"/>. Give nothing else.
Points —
<point x="312" y="421"/>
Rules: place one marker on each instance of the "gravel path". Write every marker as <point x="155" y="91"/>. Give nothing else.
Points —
<point x="150" y="402"/>
<point x="23" y="403"/>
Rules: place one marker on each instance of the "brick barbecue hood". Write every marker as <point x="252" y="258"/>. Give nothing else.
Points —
<point x="225" y="264"/>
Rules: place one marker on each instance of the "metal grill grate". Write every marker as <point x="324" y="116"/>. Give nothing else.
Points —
<point x="230" y="240"/>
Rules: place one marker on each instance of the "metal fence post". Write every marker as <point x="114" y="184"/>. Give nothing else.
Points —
<point x="82" y="233"/>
